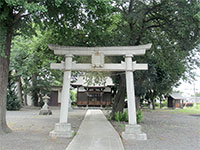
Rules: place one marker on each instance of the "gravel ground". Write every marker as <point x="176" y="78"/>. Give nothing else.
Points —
<point x="30" y="131"/>
<point x="166" y="131"/>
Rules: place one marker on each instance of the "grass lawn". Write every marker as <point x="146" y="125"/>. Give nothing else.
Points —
<point x="186" y="110"/>
<point x="191" y="110"/>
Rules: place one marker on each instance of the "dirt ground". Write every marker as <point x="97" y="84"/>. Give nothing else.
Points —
<point x="30" y="131"/>
<point x="166" y="130"/>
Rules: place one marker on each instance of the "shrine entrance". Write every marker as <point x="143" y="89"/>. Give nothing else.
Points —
<point x="132" y="130"/>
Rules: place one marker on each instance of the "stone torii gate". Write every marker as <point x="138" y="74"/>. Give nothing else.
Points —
<point x="132" y="130"/>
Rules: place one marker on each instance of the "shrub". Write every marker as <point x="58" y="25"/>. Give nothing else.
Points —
<point x="118" y="116"/>
<point x="157" y="104"/>
<point x="164" y="104"/>
<point x="125" y="116"/>
<point x="140" y="116"/>
<point x="13" y="103"/>
<point x="73" y="96"/>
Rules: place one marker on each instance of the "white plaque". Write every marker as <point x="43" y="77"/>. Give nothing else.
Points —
<point x="98" y="60"/>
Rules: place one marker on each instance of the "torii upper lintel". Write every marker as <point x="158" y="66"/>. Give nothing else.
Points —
<point x="107" y="51"/>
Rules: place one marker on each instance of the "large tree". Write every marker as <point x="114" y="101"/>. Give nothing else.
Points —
<point x="14" y="15"/>
<point x="11" y="14"/>
<point x="172" y="26"/>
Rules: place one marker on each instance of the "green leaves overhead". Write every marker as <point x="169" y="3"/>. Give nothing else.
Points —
<point x="30" y="60"/>
<point x="173" y="28"/>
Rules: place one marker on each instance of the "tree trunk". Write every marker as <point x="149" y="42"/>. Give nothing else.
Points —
<point x="5" y="46"/>
<point x="19" y="90"/>
<point x="25" y="100"/>
<point x="35" y="91"/>
<point x="153" y="103"/>
<point x="137" y="101"/>
<point x="160" y="103"/>
<point x="118" y="104"/>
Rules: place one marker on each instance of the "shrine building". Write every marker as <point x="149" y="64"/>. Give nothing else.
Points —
<point x="95" y="94"/>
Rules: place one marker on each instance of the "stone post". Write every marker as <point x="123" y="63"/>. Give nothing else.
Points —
<point x="63" y="128"/>
<point x="132" y="130"/>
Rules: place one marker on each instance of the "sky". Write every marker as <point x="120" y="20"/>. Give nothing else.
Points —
<point x="187" y="89"/>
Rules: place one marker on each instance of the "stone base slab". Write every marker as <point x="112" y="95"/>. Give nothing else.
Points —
<point x="133" y="132"/>
<point x="45" y="112"/>
<point x="62" y="130"/>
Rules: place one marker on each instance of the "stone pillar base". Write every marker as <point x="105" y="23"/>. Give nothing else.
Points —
<point x="45" y="112"/>
<point x="70" y="109"/>
<point x="133" y="132"/>
<point x="62" y="130"/>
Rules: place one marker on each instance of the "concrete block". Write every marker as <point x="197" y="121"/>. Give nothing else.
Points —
<point x="62" y="130"/>
<point x="133" y="132"/>
<point x="136" y="129"/>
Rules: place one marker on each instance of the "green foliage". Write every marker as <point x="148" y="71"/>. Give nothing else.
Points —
<point x="125" y="116"/>
<point x="30" y="60"/>
<point x="13" y="103"/>
<point x="164" y="104"/>
<point x="2" y="41"/>
<point x="119" y="116"/>
<point x="95" y="78"/>
<point x="73" y="96"/>
<point x="140" y="116"/>
<point x="173" y="29"/>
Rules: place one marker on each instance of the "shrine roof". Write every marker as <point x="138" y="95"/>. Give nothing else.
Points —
<point x="177" y="96"/>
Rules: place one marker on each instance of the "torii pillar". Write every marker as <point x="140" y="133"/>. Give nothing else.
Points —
<point x="132" y="130"/>
<point x="63" y="128"/>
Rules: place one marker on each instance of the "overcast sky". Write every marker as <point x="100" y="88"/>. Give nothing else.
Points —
<point x="188" y="89"/>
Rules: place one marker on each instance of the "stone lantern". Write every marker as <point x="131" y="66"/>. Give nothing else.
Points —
<point x="45" y="108"/>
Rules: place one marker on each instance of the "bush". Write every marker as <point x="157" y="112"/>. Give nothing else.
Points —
<point x="119" y="116"/>
<point x="125" y="116"/>
<point x="13" y="103"/>
<point x="140" y="116"/>
<point x="73" y="96"/>
<point x="157" y="104"/>
<point x="164" y="104"/>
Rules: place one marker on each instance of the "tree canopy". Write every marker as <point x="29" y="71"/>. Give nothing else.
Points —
<point x="173" y="29"/>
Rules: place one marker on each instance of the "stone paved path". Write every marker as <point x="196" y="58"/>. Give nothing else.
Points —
<point x="96" y="133"/>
